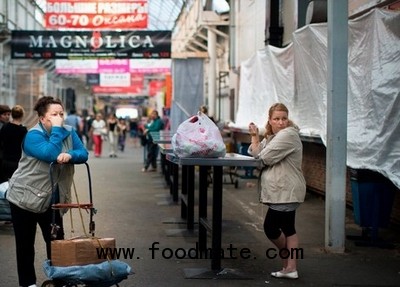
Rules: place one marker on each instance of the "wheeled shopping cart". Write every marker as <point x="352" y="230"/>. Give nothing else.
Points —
<point x="104" y="274"/>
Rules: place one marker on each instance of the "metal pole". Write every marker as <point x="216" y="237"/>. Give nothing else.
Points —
<point x="219" y="95"/>
<point x="336" y="149"/>
<point x="212" y="78"/>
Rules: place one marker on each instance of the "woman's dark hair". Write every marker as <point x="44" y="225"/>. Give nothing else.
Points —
<point x="204" y="109"/>
<point x="43" y="103"/>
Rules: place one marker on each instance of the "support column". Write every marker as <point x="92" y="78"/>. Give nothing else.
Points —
<point x="212" y="73"/>
<point x="336" y="149"/>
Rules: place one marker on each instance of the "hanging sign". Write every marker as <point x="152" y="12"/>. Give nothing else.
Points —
<point x="115" y="80"/>
<point x="119" y="84"/>
<point x="93" y="79"/>
<point x="113" y="66"/>
<point x="79" y="45"/>
<point x="96" y="14"/>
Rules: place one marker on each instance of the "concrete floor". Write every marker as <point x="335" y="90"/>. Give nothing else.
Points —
<point x="133" y="207"/>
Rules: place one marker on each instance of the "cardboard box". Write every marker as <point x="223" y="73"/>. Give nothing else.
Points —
<point x="80" y="251"/>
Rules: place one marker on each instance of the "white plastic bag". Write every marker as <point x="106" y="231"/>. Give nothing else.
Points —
<point x="198" y="136"/>
<point x="5" y="211"/>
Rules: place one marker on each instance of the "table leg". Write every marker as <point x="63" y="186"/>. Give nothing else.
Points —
<point x="190" y="198"/>
<point x="184" y="191"/>
<point x="216" y="272"/>
<point x="174" y="186"/>
<point x="187" y="201"/>
<point x="203" y="174"/>
<point x="216" y="218"/>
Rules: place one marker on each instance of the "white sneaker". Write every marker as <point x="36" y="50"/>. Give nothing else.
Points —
<point x="34" y="285"/>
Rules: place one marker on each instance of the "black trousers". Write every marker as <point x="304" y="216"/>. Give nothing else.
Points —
<point x="152" y="154"/>
<point x="25" y="223"/>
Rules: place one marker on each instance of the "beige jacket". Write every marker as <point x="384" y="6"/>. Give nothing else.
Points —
<point x="282" y="179"/>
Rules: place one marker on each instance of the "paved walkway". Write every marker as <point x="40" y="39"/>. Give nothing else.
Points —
<point x="133" y="207"/>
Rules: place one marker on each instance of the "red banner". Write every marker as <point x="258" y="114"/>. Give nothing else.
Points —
<point x="96" y="14"/>
<point x="117" y="90"/>
<point x="156" y="86"/>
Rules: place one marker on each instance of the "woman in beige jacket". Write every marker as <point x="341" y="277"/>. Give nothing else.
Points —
<point x="283" y="186"/>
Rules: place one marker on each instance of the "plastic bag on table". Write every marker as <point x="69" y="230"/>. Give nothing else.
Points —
<point x="198" y="136"/>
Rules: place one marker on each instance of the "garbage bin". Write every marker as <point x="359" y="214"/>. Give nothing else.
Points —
<point x="373" y="197"/>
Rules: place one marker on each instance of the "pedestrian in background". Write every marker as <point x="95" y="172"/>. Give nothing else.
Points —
<point x="98" y="130"/>
<point x="122" y="130"/>
<point x="30" y="191"/>
<point x="112" y="124"/>
<point x="75" y="121"/>
<point x="134" y="131"/>
<point x="5" y="113"/>
<point x="204" y="110"/>
<point x="11" y="136"/>
<point x="283" y="186"/>
<point x="87" y="131"/>
<point x="155" y="124"/>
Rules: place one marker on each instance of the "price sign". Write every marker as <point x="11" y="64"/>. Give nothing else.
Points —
<point x="96" y="14"/>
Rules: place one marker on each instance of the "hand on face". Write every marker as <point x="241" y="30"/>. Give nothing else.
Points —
<point x="54" y="117"/>
<point x="253" y="129"/>
<point x="57" y="120"/>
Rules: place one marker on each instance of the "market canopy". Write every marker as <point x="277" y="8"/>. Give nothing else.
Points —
<point x="297" y="76"/>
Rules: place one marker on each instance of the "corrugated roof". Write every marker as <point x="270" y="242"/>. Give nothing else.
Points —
<point x="163" y="13"/>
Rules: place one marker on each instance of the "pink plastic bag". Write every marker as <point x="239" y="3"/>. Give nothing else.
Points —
<point x="198" y="136"/>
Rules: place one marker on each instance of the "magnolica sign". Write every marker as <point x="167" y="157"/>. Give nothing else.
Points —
<point x="90" y="44"/>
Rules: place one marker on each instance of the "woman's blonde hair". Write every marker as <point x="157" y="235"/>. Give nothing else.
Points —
<point x="275" y="107"/>
<point x="17" y="112"/>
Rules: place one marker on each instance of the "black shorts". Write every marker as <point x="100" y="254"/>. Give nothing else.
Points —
<point x="279" y="221"/>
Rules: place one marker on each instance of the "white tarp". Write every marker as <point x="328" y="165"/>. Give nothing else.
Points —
<point x="297" y="76"/>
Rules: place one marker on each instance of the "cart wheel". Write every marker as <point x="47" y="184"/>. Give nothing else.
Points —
<point x="51" y="283"/>
<point x="236" y="183"/>
<point x="48" y="283"/>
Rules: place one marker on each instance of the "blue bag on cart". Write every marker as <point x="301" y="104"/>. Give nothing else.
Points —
<point x="5" y="211"/>
<point x="105" y="274"/>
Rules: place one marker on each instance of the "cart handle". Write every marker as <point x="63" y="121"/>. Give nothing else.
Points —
<point x="61" y="205"/>
<point x="52" y="164"/>
<point x="72" y="205"/>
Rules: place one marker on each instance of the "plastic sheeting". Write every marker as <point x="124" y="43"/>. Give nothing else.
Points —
<point x="188" y="90"/>
<point x="297" y="76"/>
